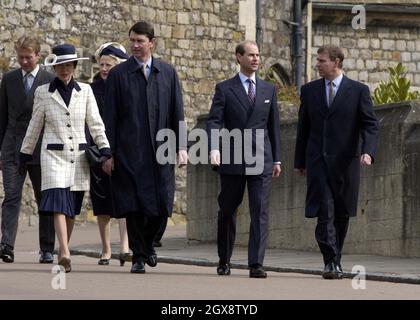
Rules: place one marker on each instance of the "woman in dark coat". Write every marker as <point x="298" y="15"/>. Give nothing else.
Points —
<point x="108" y="55"/>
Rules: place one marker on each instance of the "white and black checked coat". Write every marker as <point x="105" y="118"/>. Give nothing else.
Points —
<point x="63" y="161"/>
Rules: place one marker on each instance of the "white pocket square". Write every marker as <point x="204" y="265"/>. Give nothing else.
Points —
<point x="266" y="101"/>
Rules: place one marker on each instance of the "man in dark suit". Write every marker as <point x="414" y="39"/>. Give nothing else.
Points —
<point x="16" y="102"/>
<point x="142" y="97"/>
<point x="337" y="132"/>
<point x="247" y="105"/>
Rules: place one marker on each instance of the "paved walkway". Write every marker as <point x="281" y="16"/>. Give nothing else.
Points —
<point x="177" y="249"/>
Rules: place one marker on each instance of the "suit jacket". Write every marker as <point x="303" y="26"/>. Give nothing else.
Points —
<point x="139" y="183"/>
<point x="330" y="141"/>
<point x="63" y="160"/>
<point x="232" y="110"/>
<point x="16" y="110"/>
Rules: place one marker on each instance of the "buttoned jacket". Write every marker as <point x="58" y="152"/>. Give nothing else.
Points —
<point x="63" y="161"/>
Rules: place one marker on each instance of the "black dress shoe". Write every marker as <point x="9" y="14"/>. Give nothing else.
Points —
<point x="157" y="244"/>
<point x="138" y="267"/>
<point x="330" y="271"/>
<point x="6" y="253"/>
<point x="339" y="271"/>
<point x="152" y="260"/>
<point x="223" y="270"/>
<point x="257" y="272"/>
<point x="46" y="257"/>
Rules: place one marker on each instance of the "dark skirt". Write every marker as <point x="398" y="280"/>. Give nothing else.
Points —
<point x="61" y="200"/>
<point x="100" y="193"/>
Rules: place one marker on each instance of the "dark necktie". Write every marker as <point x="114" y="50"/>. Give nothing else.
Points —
<point x="330" y="93"/>
<point x="251" y="91"/>
<point x="26" y="82"/>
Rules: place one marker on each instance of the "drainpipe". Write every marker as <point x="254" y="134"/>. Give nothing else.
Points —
<point x="309" y="42"/>
<point x="258" y="38"/>
<point x="297" y="43"/>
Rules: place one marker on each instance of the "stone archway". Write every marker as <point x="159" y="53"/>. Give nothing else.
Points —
<point x="281" y="75"/>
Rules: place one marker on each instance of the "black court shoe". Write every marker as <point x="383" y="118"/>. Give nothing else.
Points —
<point x="125" y="257"/>
<point x="103" y="262"/>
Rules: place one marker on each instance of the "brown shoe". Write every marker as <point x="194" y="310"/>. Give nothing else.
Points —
<point x="66" y="263"/>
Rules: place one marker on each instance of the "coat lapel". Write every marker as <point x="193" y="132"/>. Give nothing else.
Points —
<point x="57" y="97"/>
<point x="340" y="95"/>
<point x="320" y="97"/>
<point x="152" y="86"/>
<point x="324" y="95"/>
<point x="19" y="79"/>
<point x="37" y="81"/>
<point x="239" y="91"/>
<point x="74" y="99"/>
<point x="261" y="90"/>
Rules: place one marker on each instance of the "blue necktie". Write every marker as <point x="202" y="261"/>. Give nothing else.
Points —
<point x="26" y="83"/>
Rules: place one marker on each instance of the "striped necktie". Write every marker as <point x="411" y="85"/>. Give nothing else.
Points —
<point x="251" y="91"/>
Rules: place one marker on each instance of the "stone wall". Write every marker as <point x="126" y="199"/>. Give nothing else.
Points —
<point x="276" y="35"/>
<point x="197" y="36"/>
<point x="368" y="53"/>
<point x="388" y="220"/>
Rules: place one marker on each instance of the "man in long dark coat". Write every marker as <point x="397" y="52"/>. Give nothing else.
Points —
<point x="142" y="96"/>
<point x="337" y="132"/>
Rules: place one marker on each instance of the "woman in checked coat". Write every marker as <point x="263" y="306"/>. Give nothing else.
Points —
<point x="63" y="108"/>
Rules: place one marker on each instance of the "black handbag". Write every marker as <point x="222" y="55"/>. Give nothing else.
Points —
<point x="93" y="156"/>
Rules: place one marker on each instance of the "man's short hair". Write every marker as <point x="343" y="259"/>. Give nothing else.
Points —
<point x="144" y="28"/>
<point x="240" y="48"/>
<point x="28" y="42"/>
<point x="334" y="52"/>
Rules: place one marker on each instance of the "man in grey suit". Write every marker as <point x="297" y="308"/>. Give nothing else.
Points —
<point x="16" y="101"/>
